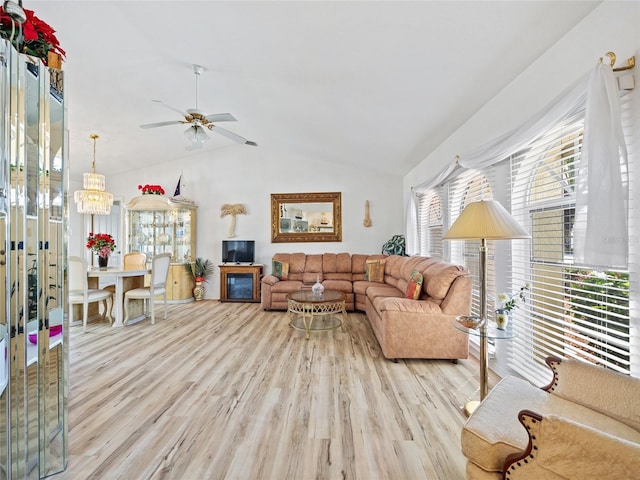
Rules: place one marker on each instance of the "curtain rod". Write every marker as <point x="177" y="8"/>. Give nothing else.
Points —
<point x="631" y="62"/>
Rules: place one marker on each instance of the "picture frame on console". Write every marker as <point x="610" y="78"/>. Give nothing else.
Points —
<point x="306" y="217"/>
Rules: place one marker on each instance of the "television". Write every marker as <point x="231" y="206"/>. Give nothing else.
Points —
<point x="238" y="251"/>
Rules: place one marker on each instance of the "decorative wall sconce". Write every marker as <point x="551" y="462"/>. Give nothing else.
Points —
<point x="367" y="215"/>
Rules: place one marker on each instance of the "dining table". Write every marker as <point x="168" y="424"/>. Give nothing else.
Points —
<point x="126" y="279"/>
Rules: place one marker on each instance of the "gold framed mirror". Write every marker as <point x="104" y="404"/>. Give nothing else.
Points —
<point x="306" y="217"/>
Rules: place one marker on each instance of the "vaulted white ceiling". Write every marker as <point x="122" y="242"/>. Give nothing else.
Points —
<point x="375" y="84"/>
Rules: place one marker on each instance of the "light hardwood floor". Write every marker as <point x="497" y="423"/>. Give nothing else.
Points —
<point x="229" y="391"/>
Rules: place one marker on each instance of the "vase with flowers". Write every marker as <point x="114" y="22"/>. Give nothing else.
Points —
<point x="103" y="244"/>
<point x="33" y="37"/>
<point x="508" y="303"/>
<point x="151" y="189"/>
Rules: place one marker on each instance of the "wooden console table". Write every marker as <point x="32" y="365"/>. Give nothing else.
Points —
<point x="240" y="282"/>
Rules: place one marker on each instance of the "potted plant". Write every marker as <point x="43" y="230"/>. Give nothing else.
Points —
<point x="200" y="271"/>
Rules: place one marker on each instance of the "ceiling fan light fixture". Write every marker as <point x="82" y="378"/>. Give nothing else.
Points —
<point x="196" y="134"/>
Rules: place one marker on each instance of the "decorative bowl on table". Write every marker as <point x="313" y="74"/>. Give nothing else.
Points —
<point x="53" y="331"/>
<point x="469" y="321"/>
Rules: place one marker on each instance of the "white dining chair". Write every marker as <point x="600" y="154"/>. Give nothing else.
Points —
<point x="133" y="261"/>
<point x="81" y="294"/>
<point x="158" y="286"/>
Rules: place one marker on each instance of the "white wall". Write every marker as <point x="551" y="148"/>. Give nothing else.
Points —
<point x="247" y="175"/>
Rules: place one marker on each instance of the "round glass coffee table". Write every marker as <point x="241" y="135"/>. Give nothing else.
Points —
<point x="311" y="311"/>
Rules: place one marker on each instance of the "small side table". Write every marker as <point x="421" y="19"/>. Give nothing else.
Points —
<point x="486" y="330"/>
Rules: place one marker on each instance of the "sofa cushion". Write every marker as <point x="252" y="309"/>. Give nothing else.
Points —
<point x="383" y="290"/>
<point x="338" y="285"/>
<point x="360" y="287"/>
<point x="296" y="265"/>
<point x="337" y="263"/>
<point x="313" y="263"/>
<point x="488" y="438"/>
<point x="337" y="276"/>
<point x="415" y="285"/>
<point x="286" y="287"/>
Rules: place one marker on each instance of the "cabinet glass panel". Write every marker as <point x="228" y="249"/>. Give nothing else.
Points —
<point x="161" y="231"/>
<point x="155" y="224"/>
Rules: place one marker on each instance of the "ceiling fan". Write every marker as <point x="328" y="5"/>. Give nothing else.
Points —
<point x="199" y="122"/>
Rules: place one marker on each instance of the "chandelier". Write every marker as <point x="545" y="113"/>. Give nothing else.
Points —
<point x="93" y="199"/>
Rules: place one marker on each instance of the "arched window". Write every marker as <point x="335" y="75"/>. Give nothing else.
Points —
<point x="573" y="310"/>
<point x="431" y="223"/>
<point x="472" y="186"/>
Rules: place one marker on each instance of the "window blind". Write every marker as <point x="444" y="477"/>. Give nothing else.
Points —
<point x="431" y="223"/>
<point x="570" y="309"/>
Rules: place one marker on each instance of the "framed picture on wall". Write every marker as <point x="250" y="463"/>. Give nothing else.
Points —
<point x="306" y="217"/>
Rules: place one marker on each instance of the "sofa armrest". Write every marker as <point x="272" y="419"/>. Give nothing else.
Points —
<point x="560" y="448"/>
<point x="270" y="280"/>
<point x="398" y="304"/>
<point x="616" y="396"/>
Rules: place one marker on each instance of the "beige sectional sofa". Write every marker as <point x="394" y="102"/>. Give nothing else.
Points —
<point x="405" y="328"/>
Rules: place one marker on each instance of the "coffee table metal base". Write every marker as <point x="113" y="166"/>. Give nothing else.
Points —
<point x="317" y="314"/>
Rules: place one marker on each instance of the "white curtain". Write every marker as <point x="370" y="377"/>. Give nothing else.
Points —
<point x="411" y="226"/>
<point x="601" y="234"/>
<point x="564" y="105"/>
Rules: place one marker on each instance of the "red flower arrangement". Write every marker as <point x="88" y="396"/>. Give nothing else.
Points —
<point x="151" y="189"/>
<point x="101" y="243"/>
<point x="34" y="37"/>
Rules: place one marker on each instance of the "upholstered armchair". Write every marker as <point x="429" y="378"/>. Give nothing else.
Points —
<point x="585" y="424"/>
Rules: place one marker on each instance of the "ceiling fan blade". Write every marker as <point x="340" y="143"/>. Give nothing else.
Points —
<point x="181" y="112"/>
<point x="221" y="117"/>
<point x="232" y="136"/>
<point x="162" y="124"/>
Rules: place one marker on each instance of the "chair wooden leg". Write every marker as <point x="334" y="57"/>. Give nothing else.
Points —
<point x="153" y="310"/>
<point x="165" y="305"/>
<point x="70" y="313"/>
<point x="85" y="314"/>
<point x="126" y="307"/>
<point x="110" y="309"/>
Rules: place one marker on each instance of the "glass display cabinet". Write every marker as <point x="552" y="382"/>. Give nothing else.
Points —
<point x="156" y="224"/>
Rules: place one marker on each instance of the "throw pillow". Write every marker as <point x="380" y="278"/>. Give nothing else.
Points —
<point x="280" y="269"/>
<point x="374" y="270"/>
<point x="415" y="285"/>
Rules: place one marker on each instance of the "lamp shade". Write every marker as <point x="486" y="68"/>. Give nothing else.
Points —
<point x="486" y="219"/>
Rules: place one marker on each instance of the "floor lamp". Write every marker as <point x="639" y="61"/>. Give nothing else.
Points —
<point x="484" y="220"/>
